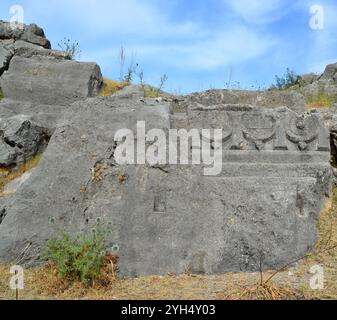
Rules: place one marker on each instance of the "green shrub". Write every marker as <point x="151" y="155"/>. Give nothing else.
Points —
<point x="289" y="79"/>
<point x="80" y="259"/>
<point x="1" y="94"/>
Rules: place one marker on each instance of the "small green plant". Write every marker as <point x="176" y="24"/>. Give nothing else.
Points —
<point x="1" y="94"/>
<point x="289" y="79"/>
<point x="71" y="47"/>
<point x="155" y="92"/>
<point x="80" y="258"/>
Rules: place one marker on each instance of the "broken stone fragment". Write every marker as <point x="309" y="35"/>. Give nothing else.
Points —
<point x="29" y="33"/>
<point x="20" y="140"/>
<point x="28" y="50"/>
<point x="34" y="34"/>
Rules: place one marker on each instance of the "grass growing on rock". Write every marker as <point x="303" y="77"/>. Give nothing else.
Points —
<point x="1" y="94"/>
<point x="8" y="175"/>
<point x="110" y="87"/>
<point x="321" y="100"/>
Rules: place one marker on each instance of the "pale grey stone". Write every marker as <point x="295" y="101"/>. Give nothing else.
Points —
<point x="49" y="81"/>
<point x="29" y="33"/>
<point x="14" y="185"/>
<point x="268" y="99"/>
<point x="6" y="54"/>
<point x="20" y="140"/>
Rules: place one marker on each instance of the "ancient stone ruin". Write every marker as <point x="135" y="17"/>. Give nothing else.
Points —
<point x="262" y="209"/>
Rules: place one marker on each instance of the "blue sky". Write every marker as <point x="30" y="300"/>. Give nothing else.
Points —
<point x="199" y="44"/>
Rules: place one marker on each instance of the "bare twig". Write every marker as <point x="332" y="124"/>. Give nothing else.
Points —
<point x="295" y="261"/>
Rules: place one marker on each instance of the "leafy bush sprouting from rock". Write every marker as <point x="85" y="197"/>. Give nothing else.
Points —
<point x="288" y="80"/>
<point x="1" y="94"/>
<point x="77" y="259"/>
<point x="71" y="47"/>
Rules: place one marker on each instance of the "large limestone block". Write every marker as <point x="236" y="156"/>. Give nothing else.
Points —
<point x="262" y="207"/>
<point x="50" y="81"/>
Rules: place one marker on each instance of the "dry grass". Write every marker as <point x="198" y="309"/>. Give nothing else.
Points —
<point x="264" y="291"/>
<point x="290" y="284"/>
<point x="110" y="87"/>
<point x="322" y="100"/>
<point x="325" y="254"/>
<point x="152" y="93"/>
<point x="9" y="175"/>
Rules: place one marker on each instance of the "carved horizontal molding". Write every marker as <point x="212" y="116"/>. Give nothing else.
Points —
<point x="263" y="129"/>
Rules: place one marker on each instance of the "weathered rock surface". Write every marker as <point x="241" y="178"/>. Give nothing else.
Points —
<point x="28" y="50"/>
<point x="266" y="99"/>
<point x="325" y="83"/>
<point x="13" y="186"/>
<point x="46" y="116"/>
<point x="29" y="33"/>
<point x="20" y="140"/>
<point x="263" y="206"/>
<point x="6" y="54"/>
<point x="44" y="80"/>
<point x="39" y="82"/>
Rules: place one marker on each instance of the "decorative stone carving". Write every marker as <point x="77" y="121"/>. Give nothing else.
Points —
<point x="258" y="128"/>
<point x="302" y="130"/>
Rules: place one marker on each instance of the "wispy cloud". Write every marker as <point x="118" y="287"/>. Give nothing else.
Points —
<point x="259" y="11"/>
<point x="207" y="53"/>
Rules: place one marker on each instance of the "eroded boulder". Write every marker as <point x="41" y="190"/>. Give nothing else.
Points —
<point x="20" y="140"/>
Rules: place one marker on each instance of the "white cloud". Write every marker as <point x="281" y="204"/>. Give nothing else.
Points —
<point x="207" y="53"/>
<point x="259" y="11"/>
